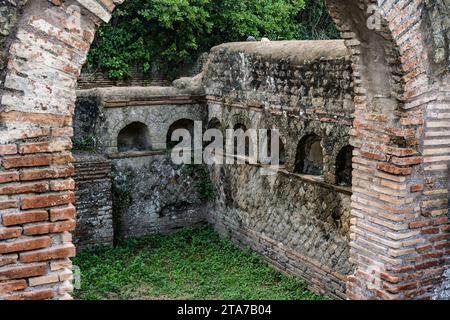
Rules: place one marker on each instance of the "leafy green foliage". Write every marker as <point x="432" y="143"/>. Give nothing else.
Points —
<point x="84" y="144"/>
<point x="192" y="264"/>
<point x="316" y="24"/>
<point x="147" y="31"/>
<point x="170" y="34"/>
<point x="206" y="186"/>
<point x="235" y="20"/>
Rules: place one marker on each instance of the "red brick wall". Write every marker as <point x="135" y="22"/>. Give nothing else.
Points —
<point x="36" y="189"/>
<point x="399" y="215"/>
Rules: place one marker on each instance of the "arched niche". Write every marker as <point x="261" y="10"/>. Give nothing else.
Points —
<point x="344" y="166"/>
<point x="214" y="123"/>
<point x="309" y="157"/>
<point x="184" y="124"/>
<point x="280" y="145"/>
<point x="134" y="137"/>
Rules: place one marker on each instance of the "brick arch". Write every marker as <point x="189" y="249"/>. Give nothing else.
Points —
<point x="45" y="53"/>
<point x="398" y="232"/>
<point x="398" y="216"/>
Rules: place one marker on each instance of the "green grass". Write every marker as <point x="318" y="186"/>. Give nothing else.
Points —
<point x="191" y="264"/>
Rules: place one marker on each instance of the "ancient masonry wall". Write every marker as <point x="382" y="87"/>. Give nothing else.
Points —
<point x="101" y="114"/>
<point x="400" y="213"/>
<point x="93" y="200"/>
<point x="154" y="196"/>
<point x="150" y="193"/>
<point x="10" y="12"/>
<point x="297" y="222"/>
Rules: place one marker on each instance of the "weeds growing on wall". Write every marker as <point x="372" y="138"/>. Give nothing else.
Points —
<point x="206" y="186"/>
<point x="191" y="264"/>
<point x="84" y="144"/>
<point x="170" y="34"/>
<point x="122" y="198"/>
<point x="316" y="23"/>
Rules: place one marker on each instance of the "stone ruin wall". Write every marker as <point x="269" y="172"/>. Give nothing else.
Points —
<point x="10" y="12"/>
<point x="150" y="194"/>
<point x="299" y="223"/>
<point x="37" y="95"/>
<point x="158" y="197"/>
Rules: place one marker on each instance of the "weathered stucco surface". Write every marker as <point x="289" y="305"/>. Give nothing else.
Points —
<point x="103" y="113"/>
<point x="150" y="194"/>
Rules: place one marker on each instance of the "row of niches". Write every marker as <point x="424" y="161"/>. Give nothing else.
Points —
<point x="309" y="158"/>
<point x="135" y="137"/>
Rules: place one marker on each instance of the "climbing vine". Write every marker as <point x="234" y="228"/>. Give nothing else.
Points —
<point x="170" y="34"/>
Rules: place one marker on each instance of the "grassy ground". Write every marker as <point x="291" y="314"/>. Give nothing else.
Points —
<point x="192" y="264"/>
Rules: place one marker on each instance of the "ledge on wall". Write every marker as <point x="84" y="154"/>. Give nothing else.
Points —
<point x="183" y="91"/>
<point x="282" y="170"/>
<point x="135" y="154"/>
<point x="297" y="51"/>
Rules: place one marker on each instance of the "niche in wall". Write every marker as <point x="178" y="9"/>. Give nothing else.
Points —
<point x="309" y="158"/>
<point x="214" y="123"/>
<point x="186" y="124"/>
<point x="344" y="166"/>
<point x="134" y="137"/>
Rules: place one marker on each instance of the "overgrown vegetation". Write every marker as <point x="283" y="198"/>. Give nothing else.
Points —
<point x="170" y="34"/>
<point x="122" y="198"/>
<point x="84" y="144"/>
<point x="316" y="23"/>
<point x="206" y="186"/>
<point x="192" y="264"/>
